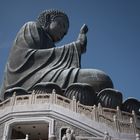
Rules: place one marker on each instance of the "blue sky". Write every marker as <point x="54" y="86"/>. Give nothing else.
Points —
<point x="113" y="37"/>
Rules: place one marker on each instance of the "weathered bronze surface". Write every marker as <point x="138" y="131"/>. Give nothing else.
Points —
<point x="34" y="59"/>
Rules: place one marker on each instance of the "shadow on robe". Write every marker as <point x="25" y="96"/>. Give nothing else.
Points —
<point x="34" y="59"/>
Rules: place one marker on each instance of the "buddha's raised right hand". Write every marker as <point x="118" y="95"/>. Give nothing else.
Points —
<point x="84" y="29"/>
<point x="82" y="38"/>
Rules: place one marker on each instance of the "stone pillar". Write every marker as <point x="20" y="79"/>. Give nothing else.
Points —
<point x="27" y="137"/>
<point x="52" y="137"/>
<point x="116" y="123"/>
<point x="100" y="109"/>
<point x="74" y="104"/>
<point x="134" y="116"/>
<point x="4" y="138"/>
<point x="100" y="112"/>
<point x="32" y="97"/>
<point x="53" y="97"/>
<point x="12" y="102"/>
<point x="119" y="114"/>
<point x="133" y="126"/>
<point x="95" y="113"/>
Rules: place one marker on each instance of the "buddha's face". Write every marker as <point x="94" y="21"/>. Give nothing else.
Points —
<point x="57" y="28"/>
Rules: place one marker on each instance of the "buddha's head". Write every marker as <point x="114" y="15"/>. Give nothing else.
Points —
<point x="55" y="23"/>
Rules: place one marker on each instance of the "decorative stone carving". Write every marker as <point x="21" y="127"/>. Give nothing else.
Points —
<point x="69" y="135"/>
<point x="47" y="87"/>
<point x="106" y="136"/>
<point x="64" y="137"/>
<point x="130" y="105"/>
<point x="84" y="93"/>
<point x="17" y="90"/>
<point x="137" y="136"/>
<point x="109" y="98"/>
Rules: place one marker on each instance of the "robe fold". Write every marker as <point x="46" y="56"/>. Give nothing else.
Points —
<point x="34" y="59"/>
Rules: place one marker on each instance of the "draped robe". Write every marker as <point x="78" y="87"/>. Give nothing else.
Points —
<point x="34" y="59"/>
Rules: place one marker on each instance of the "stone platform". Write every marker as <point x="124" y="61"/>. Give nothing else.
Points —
<point x="60" y="113"/>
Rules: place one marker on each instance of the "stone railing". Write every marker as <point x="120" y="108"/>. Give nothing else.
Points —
<point x="115" y="118"/>
<point x="27" y="138"/>
<point x="18" y="139"/>
<point x="106" y="137"/>
<point x="5" y="103"/>
<point x="95" y="138"/>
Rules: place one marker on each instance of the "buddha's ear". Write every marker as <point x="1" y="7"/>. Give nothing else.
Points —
<point x="47" y="20"/>
<point x="48" y="17"/>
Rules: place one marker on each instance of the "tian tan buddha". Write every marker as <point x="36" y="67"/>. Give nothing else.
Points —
<point x="35" y="62"/>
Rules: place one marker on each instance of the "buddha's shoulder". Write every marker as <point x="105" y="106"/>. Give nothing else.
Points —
<point x="31" y="24"/>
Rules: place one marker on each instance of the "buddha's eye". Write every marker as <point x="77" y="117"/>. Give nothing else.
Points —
<point x="65" y="33"/>
<point x="64" y="25"/>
